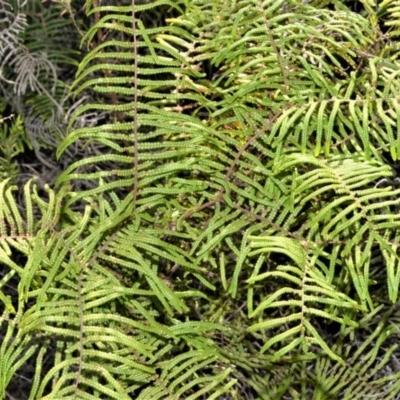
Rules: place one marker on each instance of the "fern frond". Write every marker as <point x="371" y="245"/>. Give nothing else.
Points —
<point x="229" y="213"/>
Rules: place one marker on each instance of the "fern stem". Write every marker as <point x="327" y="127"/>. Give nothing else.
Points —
<point x="135" y="111"/>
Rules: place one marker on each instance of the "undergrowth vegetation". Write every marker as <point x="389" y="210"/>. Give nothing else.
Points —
<point x="214" y="209"/>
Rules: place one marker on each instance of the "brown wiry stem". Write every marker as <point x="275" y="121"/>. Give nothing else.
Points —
<point x="135" y="111"/>
<point x="275" y="48"/>
<point x="230" y="170"/>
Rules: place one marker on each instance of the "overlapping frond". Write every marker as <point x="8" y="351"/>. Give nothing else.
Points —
<point x="223" y="239"/>
<point x="105" y="333"/>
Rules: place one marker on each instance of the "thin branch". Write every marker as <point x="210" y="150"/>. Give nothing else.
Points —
<point x="135" y="111"/>
<point x="275" y="47"/>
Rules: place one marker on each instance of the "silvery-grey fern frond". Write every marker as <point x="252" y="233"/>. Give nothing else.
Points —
<point x="34" y="56"/>
<point x="12" y="24"/>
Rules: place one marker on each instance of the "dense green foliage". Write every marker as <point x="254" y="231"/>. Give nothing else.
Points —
<point x="228" y="223"/>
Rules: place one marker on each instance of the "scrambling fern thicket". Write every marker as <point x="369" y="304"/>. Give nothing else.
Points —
<point x="230" y="226"/>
